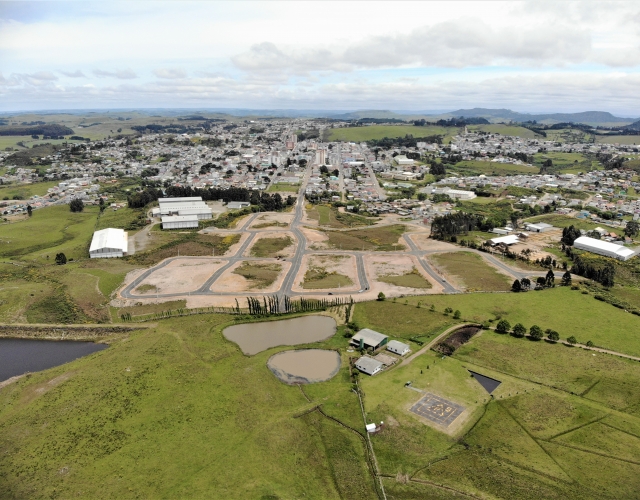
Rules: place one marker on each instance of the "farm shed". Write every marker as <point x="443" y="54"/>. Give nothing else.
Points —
<point x="603" y="248"/>
<point x="368" y="339"/>
<point x="369" y="365"/>
<point x="109" y="243"/>
<point x="511" y="239"/>
<point x="192" y="205"/>
<point x="179" y="222"/>
<point x="540" y="227"/>
<point x="235" y="205"/>
<point x="398" y="347"/>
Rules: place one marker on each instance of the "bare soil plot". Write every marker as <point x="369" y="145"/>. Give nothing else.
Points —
<point x="327" y="272"/>
<point x="423" y="242"/>
<point x="316" y="240"/>
<point x="263" y="275"/>
<point x="379" y="239"/>
<point x="396" y="274"/>
<point x="180" y="275"/>
<point x="188" y="244"/>
<point x="272" y="245"/>
<point x="272" y="220"/>
<point x="469" y="270"/>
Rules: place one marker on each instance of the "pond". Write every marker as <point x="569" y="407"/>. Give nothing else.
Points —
<point x="257" y="337"/>
<point x="304" y="366"/>
<point x="19" y="356"/>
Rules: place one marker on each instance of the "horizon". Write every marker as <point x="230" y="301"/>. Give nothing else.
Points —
<point x="533" y="57"/>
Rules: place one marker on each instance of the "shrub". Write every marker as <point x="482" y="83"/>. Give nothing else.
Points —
<point x="590" y="344"/>
<point x="381" y="296"/>
<point x="61" y="259"/>
<point x="535" y="332"/>
<point x="456" y="315"/>
<point x="519" y="330"/>
<point x="553" y="335"/>
<point x="572" y="340"/>
<point x="76" y="205"/>
<point x="503" y="326"/>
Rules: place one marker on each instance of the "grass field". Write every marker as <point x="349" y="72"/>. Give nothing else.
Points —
<point x="475" y="167"/>
<point x="382" y="239"/>
<point x="270" y="247"/>
<point x="618" y="139"/>
<point x="318" y="278"/>
<point x="360" y="134"/>
<point x="278" y="187"/>
<point x="179" y="412"/>
<point x="331" y="217"/>
<point x="569" y="163"/>
<point x="472" y="271"/>
<point x="25" y="191"/>
<point x="512" y="130"/>
<point x="559" y="220"/>
<point x="410" y="279"/>
<point x="191" y="244"/>
<point x="488" y="207"/>
<point x="260" y="275"/>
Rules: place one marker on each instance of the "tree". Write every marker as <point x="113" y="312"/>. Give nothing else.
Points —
<point x="589" y="344"/>
<point x="535" y="332"/>
<point x="29" y="210"/>
<point x="456" y="315"/>
<point x="525" y="284"/>
<point x="102" y="205"/>
<point x="335" y="172"/>
<point x="61" y="259"/>
<point x="516" y="287"/>
<point x="503" y="326"/>
<point x="572" y="340"/>
<point x="632" y="229"/>
<point x="550" y="278"/>
<point x="324" y="169"/>
<point x="519" y="330"/>
<point x="566" y="279"/>
<point x="569" y="235"/>
<point x="381" y="296"/>
<point x="422" y="196"/>
<point x="553" y="336"/>
<point x="76" y="205"/>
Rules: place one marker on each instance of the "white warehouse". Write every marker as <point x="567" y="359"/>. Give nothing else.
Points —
<point x="109" y="243"/>
<point x="603" y="248"/>
<point x="179" y="222"/>
<point x="192" y="205"/>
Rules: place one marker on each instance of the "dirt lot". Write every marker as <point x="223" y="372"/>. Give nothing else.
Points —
<point x="536" y="242"/>
<point x="180" y="275"/>
<point x="273" y="220"/>
<point x="395" y="264"/>
<point x="331" y="263"/>
<point x="284" y="253"/>
<point x="316" y="240"/>
<point x="231" y="282"/>
<point x="423" y="242"/>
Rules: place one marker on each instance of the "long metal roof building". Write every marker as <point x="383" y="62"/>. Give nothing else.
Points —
<point x="603" y="248"/>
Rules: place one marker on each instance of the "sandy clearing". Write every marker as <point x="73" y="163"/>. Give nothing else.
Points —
<point x="230" y="282"/>
<point x="338" y="263"/>
<point x="377" y="265"/>
<point x="316" y="240"/>
<point x="267" y="218"/>
<point x="181" y="275"/>
<point x="423" y="242"/>
<point x="285" y="252"/>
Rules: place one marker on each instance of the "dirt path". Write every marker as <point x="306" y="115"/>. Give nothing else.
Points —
<point x="425" y="348"/>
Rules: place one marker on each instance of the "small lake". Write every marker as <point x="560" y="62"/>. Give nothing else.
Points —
<point x="19" y="356"/>
<point x="257" y="337"/>
<point x="305" y="366"/>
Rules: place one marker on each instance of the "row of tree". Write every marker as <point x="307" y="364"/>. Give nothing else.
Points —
<point x="271" y="305"/>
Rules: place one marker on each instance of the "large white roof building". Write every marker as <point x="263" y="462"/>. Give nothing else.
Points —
<point x="192" y="205"/>
<point x="603" y="248"/>
<point x="109" y="243"/>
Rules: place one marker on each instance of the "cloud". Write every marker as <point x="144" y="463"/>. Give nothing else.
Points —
<point x="122" y="74"/>
<point x="42" y="76"/>
<point x="169" y="73"/>
<point x="73" y="74"/>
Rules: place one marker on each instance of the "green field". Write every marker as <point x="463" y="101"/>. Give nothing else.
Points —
<point x="270" y="247"/>
<point x="512" y="130"/>
<point x="361" y="134"/>
<point x="618" y="139"/>
<point x="472" y="271"/>
<point x="279" y="187"/>
<point x="568" y="163"/>
<point x="327" y="215"/>
<point x="562" y="221"/>
<point x="317" y="278"/>
<point x="475" y="167"/>
<point x="259" y="275"/>
<point x="25" y="191"/>
<point x="380" y="239"/>
<point x="410" y="279"/>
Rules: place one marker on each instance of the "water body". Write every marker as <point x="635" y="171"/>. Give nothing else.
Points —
<point x="19" y="356"/>
<point x="257" y="337"/>
<point x="304" y="366"/>
<point x="490" y="384"/>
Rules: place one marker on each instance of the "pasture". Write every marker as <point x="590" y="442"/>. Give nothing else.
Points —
<point x="472" y="272"/>
<point x="367" y="133"/>
<point x="379" y="239"/>
<point x="476" y="167"/>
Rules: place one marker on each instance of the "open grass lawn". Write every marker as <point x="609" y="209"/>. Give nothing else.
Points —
<point x="25" y="191"/>
<point x="270" y="247"/>
<point x="471" y="269"/>
<point x="317" y="279"/>
<point x="327" y="215"/>
<point x="567" y="163"/>
<point x="178" y="412"/>
<point x="475" y="167"/>
<point x="381" y="239"/>
<point x="512" y="130"/>
<point x="280" y="187"/>
<point x="559" y="220"/>
<point x="410" y="279"/>
<point x="488" y="207"/>
<point x="618" y="139"/>
<point x="360" y="134"/>
<point x="51" y="230"/>
<point x="191" y="244"/>
<point x="123" y="218"/>
<point x="260" y="275"/>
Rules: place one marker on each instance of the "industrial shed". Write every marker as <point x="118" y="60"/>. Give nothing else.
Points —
<point x="603" y="248"/>
<point x="368" y="339"/>
<point x="539" y="227"/>
<point x="109" y="243"/>
<point x="192" y="205"/>
<point x="180" y="222"/>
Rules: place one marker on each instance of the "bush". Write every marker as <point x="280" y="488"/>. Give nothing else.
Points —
<point x="590" y="344"/>
<point x="456" y="315"/>
<point x="381" y="296"/>
<point x="76" y="205"/>
<point x="535" y="332"/>
<point x="519" y="330"/>
<point x="572" y="340"/>
<point x="61" y="259"/>
<point x="503" y="326"/>
<point x="553" y="335"/>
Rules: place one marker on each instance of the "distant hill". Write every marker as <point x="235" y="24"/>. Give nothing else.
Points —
<point x="586" y="117"/>
<point x="633" y="126"/>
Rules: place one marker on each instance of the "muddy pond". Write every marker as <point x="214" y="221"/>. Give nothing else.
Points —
<point x="19" y="356"/>
<point x="305" y="366"/>
<point x="257" y="337"/>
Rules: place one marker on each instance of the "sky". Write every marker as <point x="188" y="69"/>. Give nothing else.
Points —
<point x="529" y="56"/>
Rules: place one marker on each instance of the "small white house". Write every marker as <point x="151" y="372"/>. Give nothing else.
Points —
<point x="398" y="348"/>
<point x="369" y="366"/>
<point x="109" y="243"/>
<point x="235" y="205"/>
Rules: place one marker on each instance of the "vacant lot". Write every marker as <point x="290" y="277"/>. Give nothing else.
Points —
<point x="512" y="130"/>
<point x="25" y="191"/>
<point x="471" y="271"/>
<point x="332" y="217"/>
<point x="258" y="274"/>
<point x="271" y="247"/>
<point x="190" y="244"/>
<point x="278" y="187"/>
<point x="328" y="272"/>
<point x="379" y="239"/>
<point x="360" y="134"/>
<point x="475" y="167"/>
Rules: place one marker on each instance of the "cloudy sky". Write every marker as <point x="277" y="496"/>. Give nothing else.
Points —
<point x="527" y="56"/>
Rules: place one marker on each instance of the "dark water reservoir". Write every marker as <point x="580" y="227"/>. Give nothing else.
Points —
<point x="490" y="384"/>
<point x="18" y="356"/>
